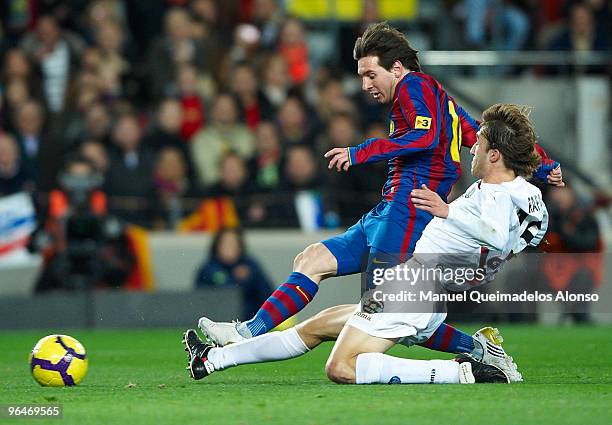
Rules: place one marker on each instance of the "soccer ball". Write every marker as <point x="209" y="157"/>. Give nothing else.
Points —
<point x="58" y="361"/>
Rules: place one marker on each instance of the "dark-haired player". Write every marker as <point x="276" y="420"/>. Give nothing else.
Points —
<point x="427" y="130"/>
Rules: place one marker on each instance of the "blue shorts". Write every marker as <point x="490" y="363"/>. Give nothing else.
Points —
<point x="387" y="234"/>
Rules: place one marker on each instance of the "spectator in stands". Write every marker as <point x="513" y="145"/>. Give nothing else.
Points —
<point x="204" y="12"/>
<point x="17" y="93"/>
<point x="29" y="122"/>
<point x="100" y="12"/>
<point x="16" y="65"/>
<point x="300" y="168"/>
<point x="228" y="264"/>
<point x="581" y="35"/>
<point x="254" y="107"/>
<point x="87" y="85"/>
<point x="293" y="48"/>
<point x="207" y="30"/>
<point x="130" y="173"/>
<point x="167" y="126"/>
<point x="84" y="94"/>
<point x="40" y="153"/>
<point x="276" y="84"/>
<point x="56" y="52"/>
<point x="223" y="134"/>
<point x="190" y="96"/>
<point x="265" y="166"/>
<point x="268" y="17"/>
<point x="97" y="123"/>
<point x="13" y="176"/>
<point x="573" y="230"/>
<point x="301" y="203"/>
<point x="293" y="123"/>
<point x="177" y="46"/>
<point x="96" y="153"/>
<point x="172" y="186"/>
<point x="114" y="66"/>
<point x="91" y="60"/>
<point x="350" y="194"/>
<point x="331" y="99"/>
<point x="341" y="130"/>
<point x="233" y="179"/>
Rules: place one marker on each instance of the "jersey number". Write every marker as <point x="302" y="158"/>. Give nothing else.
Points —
<point x="456" y="142"/>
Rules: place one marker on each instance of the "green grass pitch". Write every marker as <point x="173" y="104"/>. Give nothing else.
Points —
<point x="139" y="377"/>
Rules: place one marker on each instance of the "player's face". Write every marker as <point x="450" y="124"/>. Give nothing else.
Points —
<point x="479" y="161"/>
<point x="375" y="79"/>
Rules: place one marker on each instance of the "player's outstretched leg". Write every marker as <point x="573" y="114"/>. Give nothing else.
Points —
<point x="310" y="266"/>
<point x="198" y="364"/>
<point x="206" y="359"/>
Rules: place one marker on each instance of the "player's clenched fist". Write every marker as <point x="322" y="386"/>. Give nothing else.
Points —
<point x="555" y="177"/>
<point x="340" y="159"/>
<point x="427" y="200"/>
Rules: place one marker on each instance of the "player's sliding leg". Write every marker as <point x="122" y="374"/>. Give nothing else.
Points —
<point x="274" y="346"/>
<point x="357" y="358"/>
<point x="266" y="348"/>
<point x="310" y="266"/>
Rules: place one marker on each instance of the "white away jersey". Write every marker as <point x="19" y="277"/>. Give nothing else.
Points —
<point x="501" y="218"/>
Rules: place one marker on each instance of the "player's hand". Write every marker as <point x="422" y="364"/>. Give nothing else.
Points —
<point x="427" y="200"/>
<point x="550" y="172"/>
<point x="339" y="158"/>
<point x="555" y="177"/>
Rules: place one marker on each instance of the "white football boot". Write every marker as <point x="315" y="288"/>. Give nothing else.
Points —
<point x="220" y="333"/>
<point x="494" y="354"/>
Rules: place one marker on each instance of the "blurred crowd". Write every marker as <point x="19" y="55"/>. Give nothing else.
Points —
<point x="201" y="114"/>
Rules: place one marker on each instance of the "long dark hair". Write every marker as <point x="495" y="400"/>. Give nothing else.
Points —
<point x="389" y="44"/>
<point x="214" y="246"/>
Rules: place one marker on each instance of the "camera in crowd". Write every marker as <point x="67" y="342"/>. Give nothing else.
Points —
<point x="87" y="247"/>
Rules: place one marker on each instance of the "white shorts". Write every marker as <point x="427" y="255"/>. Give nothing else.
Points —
<point x="410" y="328"/>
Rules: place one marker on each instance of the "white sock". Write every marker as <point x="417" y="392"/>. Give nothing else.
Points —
<point x="264" y="348"/>
<point x="378" y="368"/>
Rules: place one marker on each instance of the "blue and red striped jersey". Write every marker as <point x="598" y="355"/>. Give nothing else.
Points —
<point x="427" y="129"/>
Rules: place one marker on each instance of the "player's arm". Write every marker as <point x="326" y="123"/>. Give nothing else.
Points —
<point x="491" y="228"/>
<point x="417" y="109"/>
<point x="469" y="127"/>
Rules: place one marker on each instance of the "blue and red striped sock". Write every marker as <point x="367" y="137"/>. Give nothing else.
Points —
<point x="450" y="340"/>
<point x="285" y="301"/>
